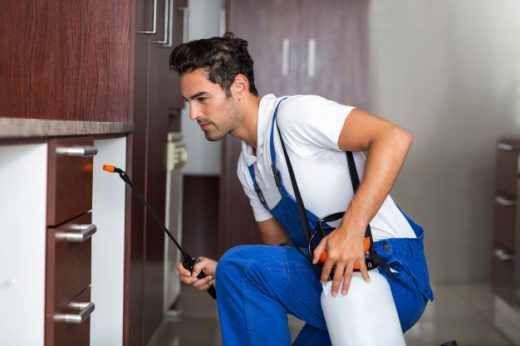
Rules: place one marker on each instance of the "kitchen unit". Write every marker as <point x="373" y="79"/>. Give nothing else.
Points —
<point x="505" y="266"/>
<point x="84" y="83"/>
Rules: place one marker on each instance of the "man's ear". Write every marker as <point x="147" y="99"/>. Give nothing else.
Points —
<point x="240" y="86"/>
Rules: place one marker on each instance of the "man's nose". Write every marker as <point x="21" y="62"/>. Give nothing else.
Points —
<point x="194" y="112"/>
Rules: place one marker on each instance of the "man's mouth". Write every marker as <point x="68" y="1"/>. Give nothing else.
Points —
<point x="204" y="126"/>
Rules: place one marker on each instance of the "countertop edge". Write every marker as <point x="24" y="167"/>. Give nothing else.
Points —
<point x="11" y="128"/>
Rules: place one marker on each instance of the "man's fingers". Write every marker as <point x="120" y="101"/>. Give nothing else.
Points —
<point x="182" y="271"/>
<point x="347" y="277"/>
<point x="318" y="250"/>
<point x="338" y="276"/>
<point x="197" y="268"/>
<point x="364" y="270"/>
<point x="325" y="271"/>
<point x="203" y="284"/>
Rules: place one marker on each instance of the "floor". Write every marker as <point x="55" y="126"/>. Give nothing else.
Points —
<point x="465" y="313"/>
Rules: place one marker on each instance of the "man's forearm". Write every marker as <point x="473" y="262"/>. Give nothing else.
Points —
<point x="384" y="161"/>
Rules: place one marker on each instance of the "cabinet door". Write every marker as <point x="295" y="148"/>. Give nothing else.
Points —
<point x="271" y="28"/>
<point x="504" y="262"/>
<point x="156" y="99"/>
<point x="71" y="325"/>
<point x="334" y="52"/>
<point x="503" y="274"/>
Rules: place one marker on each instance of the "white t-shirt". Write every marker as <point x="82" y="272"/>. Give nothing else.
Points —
<point x="310" y="127"/>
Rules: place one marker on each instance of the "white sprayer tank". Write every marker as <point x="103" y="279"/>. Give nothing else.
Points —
<point x="365" y="316"/>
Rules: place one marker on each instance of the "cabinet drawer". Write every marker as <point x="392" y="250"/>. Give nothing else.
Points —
<point x="507" y="170"/>
<point x="505" y="221"/>
<point x="69" y="250"/>
<point x="502" y="274"/>
<point x="69" y="178"/>
<point x="71" y="324"/>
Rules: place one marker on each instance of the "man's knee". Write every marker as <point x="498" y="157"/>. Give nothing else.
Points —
<point x="232" y="263"/>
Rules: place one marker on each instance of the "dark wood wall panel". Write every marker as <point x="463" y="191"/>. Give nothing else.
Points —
<point x="200" y="215"/>
<point x="155" y="112"/>
<point x="66" y="60"/>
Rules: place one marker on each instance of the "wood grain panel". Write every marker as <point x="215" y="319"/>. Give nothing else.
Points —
<point x="505" y="219"/>
<point x="200" y="215"/>
<point x="503" y="277"/>
<point x="72" y="263"/>
<point x="339" y="29"/>
<point x="65" y="59"/>
<point x="62" y="334"/>
<point x="265" y="27"/>
<point x="506" y="178"/>
<point x="236" y="221"/>
<point x="69" y="187"/>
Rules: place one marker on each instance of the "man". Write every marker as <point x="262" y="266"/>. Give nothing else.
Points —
<point x="257" y="285"/>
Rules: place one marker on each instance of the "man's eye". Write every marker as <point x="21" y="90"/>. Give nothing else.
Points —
<point x="201" y="99"/>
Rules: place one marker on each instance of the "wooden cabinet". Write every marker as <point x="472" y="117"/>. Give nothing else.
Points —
<point x="67" y="60"/>
<point x="157" y="105"/>
<point x="299" y="47"/>
<point x="68" y="245"/>
<point x="505" y="264"/>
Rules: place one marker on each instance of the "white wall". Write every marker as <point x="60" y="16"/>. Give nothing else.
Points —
<point x="448" y="71"/>
<point x="203" y="156"/>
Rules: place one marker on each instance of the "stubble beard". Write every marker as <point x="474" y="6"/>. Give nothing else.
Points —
<point x="217" y="132"/>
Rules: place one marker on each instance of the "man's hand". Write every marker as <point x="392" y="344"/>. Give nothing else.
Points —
<point x="344" y="250"/>
<point x="207" y="265"/>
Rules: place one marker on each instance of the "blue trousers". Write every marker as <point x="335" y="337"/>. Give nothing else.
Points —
<point x="258" y="285"/>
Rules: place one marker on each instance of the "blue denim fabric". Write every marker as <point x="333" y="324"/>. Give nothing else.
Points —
<point x="259" y="285"/>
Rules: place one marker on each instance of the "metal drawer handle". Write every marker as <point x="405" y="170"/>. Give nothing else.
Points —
<point x="505" y="147"/>
<point x="502" y="255"/>
<point x="85" y="309"/>
<point x="505" y="202"/>
<point x="286" y="46"/>
<point x="168" y="25"/>
<point x="79" y="150"/>
<point x="82" y="233"/>
<point x="154" y="21"/>
<point x="185" y="24"/>
<point x="311" y="58"/>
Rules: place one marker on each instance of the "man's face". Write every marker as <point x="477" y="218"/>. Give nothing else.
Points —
<point x="216" y="113"/>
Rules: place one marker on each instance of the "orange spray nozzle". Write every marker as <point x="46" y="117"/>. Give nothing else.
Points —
<point x="109" y="168"/>
<point x="113" y="169"/>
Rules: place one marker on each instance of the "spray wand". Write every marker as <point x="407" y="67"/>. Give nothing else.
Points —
<point x="187" y="261"/>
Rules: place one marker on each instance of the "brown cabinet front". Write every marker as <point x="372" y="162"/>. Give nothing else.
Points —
<point x="70" y="168"/>
<point x="72" y="248"/>
<point x="71" y="325"/>
<point x="502" y="274"/>
<point x="506" y="212"/>
<point x="69" y="247"/>
<point x="66" y="60"/>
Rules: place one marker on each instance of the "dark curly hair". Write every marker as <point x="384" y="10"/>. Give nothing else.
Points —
<point x="223" y="57"/>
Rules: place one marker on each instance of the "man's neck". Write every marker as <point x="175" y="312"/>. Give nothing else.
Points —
<point x="248" y="132"/>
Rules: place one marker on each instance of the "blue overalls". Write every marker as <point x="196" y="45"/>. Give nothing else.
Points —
<point x="258" y="285"/>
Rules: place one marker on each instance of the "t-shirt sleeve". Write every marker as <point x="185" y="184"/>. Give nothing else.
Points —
<point x="259" y="211"/>
<point x="313" y="120"/>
